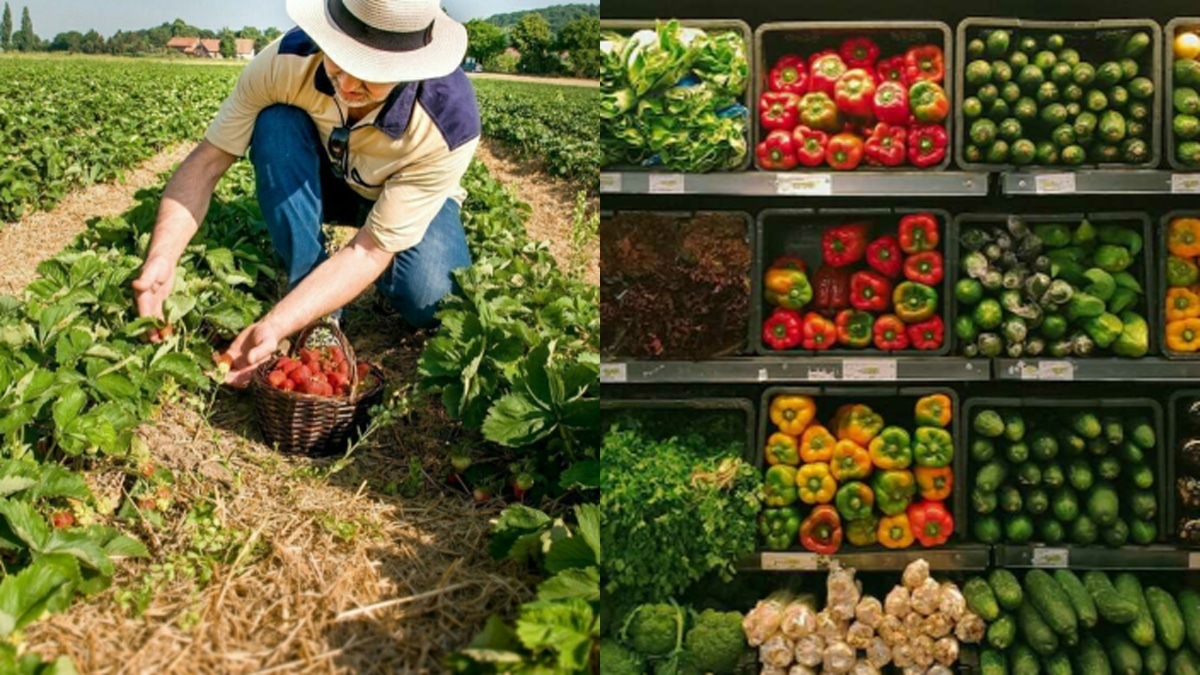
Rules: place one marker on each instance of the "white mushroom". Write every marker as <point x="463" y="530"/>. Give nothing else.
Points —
<point x="902" y="655"/>
<point x="915" y="574"/>
<point x="879" y="653"/>
<point x="839" y="657"/>
<point x="926" y="597"/>
<point x="859" y="635"/>
<point x="937" y="625"/>
<point x="864" y="668"/>
<point x="945" y="651"/>
<point x="869" y="611"/>
<point x="970" y="629"/>
<point x="891" y="629"/>
<point x="897" y="602"/>
<point x="799" y="620"/>
<point x="830" y="627"/>
<point x="810" y="650"/>
<point x="952" y="602"/>
<point x="778" y="651"/>
<point x="914" y="625"/>
<point x="922" y="651"/>
<point x="798" y="669"/>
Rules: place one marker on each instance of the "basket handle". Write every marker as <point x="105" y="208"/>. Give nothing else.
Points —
<point x="343" y="342"/>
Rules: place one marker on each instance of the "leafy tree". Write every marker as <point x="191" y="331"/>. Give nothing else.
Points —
<point x="26" y="40"/>
<point x="6" y="29"/>
<point x="581" y="40"/>
<point x="228" y="44"/>
<point x="558" y="16"/>
<point x="70" y="41"/>
<point x="484" y="41"/>
<point x="92" y="43"/>
<point x="532" y="37"/>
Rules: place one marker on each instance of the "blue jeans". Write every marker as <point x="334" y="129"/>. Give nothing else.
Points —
<point x="297" y="192"/>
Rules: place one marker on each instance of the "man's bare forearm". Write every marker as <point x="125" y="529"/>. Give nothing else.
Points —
<point x="186" y="200"/>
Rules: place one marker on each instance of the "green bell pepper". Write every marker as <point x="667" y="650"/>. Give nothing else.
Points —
<point x="862" y="532"/>
<point x="1101" y="284"/>
<point x="891" y="449"/>
<point x="1134" y="340"/>
<point x="1104" y="329"/>
<point x="779" y="528"/>
<point x="1083" y="305"/>
<point x="779" y="486"/>
<point x="1122" y="300"/>
<point x="855" y="500"/>
<point x="934" y="447"/>
<point x="1054" y="235"/>
<point x="914" y="302"/>
<point x="1181" y="271"/>
<point x="894" y="490"/>
<point x="1120" y="235"/>
<point x="1112" y="258"/>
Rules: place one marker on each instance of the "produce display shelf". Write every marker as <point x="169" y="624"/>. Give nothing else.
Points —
<point x="768" y="184"/>
<point x="1148" y="369"/>
<point x="1098" y="182"/>
<point x="802" y="369"/>
<point x="1155" y="557"/>
<point x="946" y="558"/>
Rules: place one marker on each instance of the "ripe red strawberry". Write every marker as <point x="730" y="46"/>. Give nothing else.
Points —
<point x="62" y="519"/>
<point x="277" y="378"/>
<point x="288" y="385"/>
<point x="363" y="369"/>
<point x="481" y="495"/>
<point x="301" y="374"/>
<point x="343" y="368"/>
<point x="225" y="359"/>
<point x="337" y="354"/>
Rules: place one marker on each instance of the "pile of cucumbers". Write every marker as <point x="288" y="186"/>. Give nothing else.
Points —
<point x="1062" y="623"/>
<point x="1039" y="98"/>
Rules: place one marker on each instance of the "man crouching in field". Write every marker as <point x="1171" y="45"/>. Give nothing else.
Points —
<point x="362" y="113"/>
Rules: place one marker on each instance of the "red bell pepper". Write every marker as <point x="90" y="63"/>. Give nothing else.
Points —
<point x="918" y="232"/>
<point x="890" y="333"/>
<point x="855" y="92"/>
<point x="821" y="531"/>
<point x="824" y="72"/>
<point x="928" y="102"/>
<point x="924" y="64"/>
<point x="818" y="111"/>
<point x="777" y="152"/>
<point x="924" y="267"/>
<point x="870" y="292"/>
<point x="844" y="152"/>
<point x="783" y="329"/>
<point x="831" y="290"/>
<point x="892" y="70"/>
<point x="927" y="334"/>
<point x="810" y="145"/>
<point x="859" y="52"/>
<point x="883" y="255"/>
<point x="819" y="333"/>
<point x="926" y="144"/>
<point x="885" y="147"/>
<point x="844" y="245"/>
<point x="931" y="523"/>
<point x="779" y="110"/>
<point x="854" y="328"/>
<point x="790" y="262"/>
<point x="891" y="103"/>
<point x="789" y="74"/>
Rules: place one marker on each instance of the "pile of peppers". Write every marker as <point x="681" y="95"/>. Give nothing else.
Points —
<point x="848" y="107"/>
<point x="869" y="291"/>
<point x="1183" y="285"/>
<point x="856" y="478"/>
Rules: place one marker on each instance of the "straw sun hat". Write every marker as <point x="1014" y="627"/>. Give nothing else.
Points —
<point x="384" y="40"/>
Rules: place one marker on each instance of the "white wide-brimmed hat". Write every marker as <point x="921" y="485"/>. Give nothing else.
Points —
<point x="384" y="40"/>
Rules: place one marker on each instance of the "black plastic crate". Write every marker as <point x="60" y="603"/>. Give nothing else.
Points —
<point x="1141" y="269"/>
<point x="1161" y="284"/>
<point x="1177" y="429"/>
<point x="803" y="239"/>
<point x="897" y="406"/>
<point x="774" y="39"/>
<point x="1099" y="405"/>
<point x="630" y="26"/>
<point x="1168" y="68"/>
<point x="1098" y="35"/>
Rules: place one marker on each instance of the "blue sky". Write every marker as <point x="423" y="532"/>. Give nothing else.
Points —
<point x="51" y="17"/>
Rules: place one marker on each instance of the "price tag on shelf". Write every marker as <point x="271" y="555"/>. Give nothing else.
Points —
<point x="793" y="562"/>
<point x="610" y="182"/>
<point x="763" y="376"/>
<point x="1055" y="183"/>
<point x="1050" y="557"/>
<point x="666" y="183"/>
<point x="1055" y="370"/>
<point x="1193" y="560"/>
<point x="869" y="369"/>
<point x="804" y="184"/>
<point x="822" y="374"/>
<point x="1185" y="182"/>
<point x="614" y="373"/>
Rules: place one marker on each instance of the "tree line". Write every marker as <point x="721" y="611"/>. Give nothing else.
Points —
<point x="575" y="50"/>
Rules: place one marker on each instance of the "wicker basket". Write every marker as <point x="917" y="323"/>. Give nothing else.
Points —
<point x="311" y="425"/>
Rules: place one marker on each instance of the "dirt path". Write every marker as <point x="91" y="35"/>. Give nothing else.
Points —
<point x="39" y="235"/>
<point x="568" y="81"/>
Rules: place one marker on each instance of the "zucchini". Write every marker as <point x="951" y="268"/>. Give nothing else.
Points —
<point x="980" y="599"/>
<point x="1037" y="634"/>
<point x="1168" y="621"/>
<point x="993" y="662"/>
<point x="1189" y="606"/>
<point x="1053" y="604"/>
<point x="1057" y="663"/>
<point x="1007" y="589"/>
<point x="1141" y="630"/>
<point x="1183" y="662"/>
<point x="1003" y="632"/>
<point x="1123" y="655"/>
<point x="1081" y="600"/>
<point x="1023" y="661"/>
<point x="1112" y="606"/>
<point x="1154" y="660"/>
<point x="1091" y="658"/>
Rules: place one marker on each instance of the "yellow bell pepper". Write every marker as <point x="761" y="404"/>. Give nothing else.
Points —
<point x="933" y="411"/>
<point x="857" y="423"/>
<point x="851" y="461"/>
<point x="816" y="483"/>
<point x="895" y="531"/>
<point x="1183" y="335"/>
<point x="782" y="449"/>
<point x="1182" y="304"/>
<point x="1183" y="237"/>
<point x="792" y="414"/>
<point x="816" y="445"/>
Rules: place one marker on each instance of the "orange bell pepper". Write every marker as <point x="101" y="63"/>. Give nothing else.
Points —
<point x="816" y="445"/>
<point x="857" y="423"/>
<point x="895" y="531"/>
<point x="1183" y="237"/>
<point x="1182" y="304"/>
<point x="792" y="414"/>
<point x="935" y="482"/>
<point x="851" y="461"/>
<point x="933" y="411"/>
<point x="816" y="484"/>
<point x="1183" y="335"/>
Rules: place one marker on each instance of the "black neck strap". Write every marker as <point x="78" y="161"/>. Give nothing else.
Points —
<point x="377" y="38"/>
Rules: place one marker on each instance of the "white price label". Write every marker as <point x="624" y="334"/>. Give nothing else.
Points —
<point x="869" y="369"/>
<point x="762" y="375"/>
<point x="1193" y="560"/>
<point x="1185" y="182"/>
<point x="822" y="374"/>
<point x="1051" y="557"/>
<point x="610" y="182"/>
<point x="1055" y="183"/>
<point x="1055" y="370"/>
<point x="792" y="562"/>
<point x="666" y="183"/>
<point x="804" y="184"/>
<point x="613" y="372"/>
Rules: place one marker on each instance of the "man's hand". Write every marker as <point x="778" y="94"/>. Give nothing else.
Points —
<point x="253" y="346"/>
<point x="151" y="289"/>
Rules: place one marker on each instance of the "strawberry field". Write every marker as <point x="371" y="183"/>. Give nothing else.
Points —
<point x="144" y="525"/>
